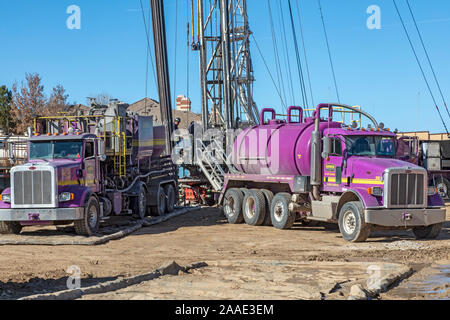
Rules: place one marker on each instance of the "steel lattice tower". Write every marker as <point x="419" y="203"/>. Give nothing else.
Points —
<point x="226" y="71"/>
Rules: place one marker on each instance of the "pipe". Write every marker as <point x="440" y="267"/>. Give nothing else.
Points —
<point x="316" y="163"/>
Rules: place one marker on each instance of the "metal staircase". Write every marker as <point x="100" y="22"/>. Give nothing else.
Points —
<point x="213" y="163"/>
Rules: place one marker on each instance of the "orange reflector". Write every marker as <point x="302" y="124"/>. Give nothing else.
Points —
<point x="55" y="134"/>
<point x="370" y="190"/>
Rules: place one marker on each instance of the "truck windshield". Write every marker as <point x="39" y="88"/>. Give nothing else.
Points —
<point x="56" y="149"/>
<point x="370" y="146"/>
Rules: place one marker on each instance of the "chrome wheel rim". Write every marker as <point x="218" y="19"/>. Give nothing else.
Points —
<point x="278" y="211"/>
<point x="250" y="207"/>
<point x="229" y="207"/>
<point x="162" y="200"/>
<point x="349" y="222"/>
<point x="442" y="189"/>
<point x="92" y="217"/>
<point x="141" y="204"/>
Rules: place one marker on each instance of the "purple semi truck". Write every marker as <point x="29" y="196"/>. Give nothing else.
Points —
<point x="83" y="169"/>
<point x="316" y="169"/>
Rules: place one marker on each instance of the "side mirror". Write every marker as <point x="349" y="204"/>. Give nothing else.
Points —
<point x="327" y="147"/>
<point x="102" y="157"/>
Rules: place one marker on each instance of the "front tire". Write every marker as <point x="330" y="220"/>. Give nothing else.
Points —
<point x="232" y="207"/>
<point x="10" y="227"/>
<point x="351" y="222"/>
<point x="429" y="232"/>
<point x="88" y="226"/>
<point x="280" y="215"/>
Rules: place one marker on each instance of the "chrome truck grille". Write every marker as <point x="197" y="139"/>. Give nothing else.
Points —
<point x="33" y="188"/>
<point x="405" y="188"/>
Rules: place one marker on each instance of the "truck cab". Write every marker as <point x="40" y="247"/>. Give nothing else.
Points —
<point x="59" y="178"/>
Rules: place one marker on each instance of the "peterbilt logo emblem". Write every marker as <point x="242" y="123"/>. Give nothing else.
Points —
<point x="33" y="217"/>
<point x="32" y="168"/>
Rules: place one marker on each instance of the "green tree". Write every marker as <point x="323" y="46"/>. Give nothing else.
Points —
<point x="6" y="117"/>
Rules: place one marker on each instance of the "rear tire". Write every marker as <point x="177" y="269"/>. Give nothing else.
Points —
<point x="279" y="211"/>
<point x="170" y="197"/>
<point x="232" y="207"/>
<point x="268" y="195"/>
<point x="88" y="226"/>
<point x="429" y="232"/>
<point x="140" y="203"/>
<point x="160" y="208"/>
<point x="351" y="222"/>
<point x="10" y="227"/>
<point x="254" y="208"/>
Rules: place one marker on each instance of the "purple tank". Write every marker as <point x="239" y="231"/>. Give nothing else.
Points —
<point x="277" y="147"/>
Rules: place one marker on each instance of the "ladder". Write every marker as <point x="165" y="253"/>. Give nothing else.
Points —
<point x="213" y="163"/>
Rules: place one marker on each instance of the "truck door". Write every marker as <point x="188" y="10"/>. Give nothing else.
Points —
<point x="333" y="165"/>
<point x="407" y="149"/>
<point x="90" y="165"/>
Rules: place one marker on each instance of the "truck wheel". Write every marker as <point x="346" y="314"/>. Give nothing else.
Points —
<point x="429" y="232"/>
<point x="232" y="207"/>
<point x="268" y="195"/>
<point x="279" y="211"/>
<point x="140" y="204"/>
<point x="351" y="222"/>
<point x="170" y="194"/>
<point x="254" y="208"/>
<point x="160" y="208"/>
<point x="8" y="227"/>
<point x="443" y="186"/>
<point x="88" y="226"/>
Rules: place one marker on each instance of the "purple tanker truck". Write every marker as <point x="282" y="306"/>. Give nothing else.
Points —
<point x="316" y="169"/>
<point x="83" y="169"/>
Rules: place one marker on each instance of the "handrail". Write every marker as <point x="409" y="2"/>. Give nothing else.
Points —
<point x="330" y="105"/>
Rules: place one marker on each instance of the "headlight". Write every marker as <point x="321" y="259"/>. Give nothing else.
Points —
<point x="65" y="196"/>
<point x="6" y="198"/>
<point x="375" y="191"/>
<point x="432" y="190"/>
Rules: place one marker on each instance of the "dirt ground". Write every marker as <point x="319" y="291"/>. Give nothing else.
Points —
<point x="204" y="235"/>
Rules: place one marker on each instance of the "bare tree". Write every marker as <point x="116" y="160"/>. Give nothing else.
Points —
<point x="28" y="101"/>
<point x="57" y="103"/>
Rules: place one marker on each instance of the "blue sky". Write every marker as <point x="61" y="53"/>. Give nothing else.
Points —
<point x="374" y="68"/>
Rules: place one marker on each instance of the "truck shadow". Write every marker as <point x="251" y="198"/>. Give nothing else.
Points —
<point x="200" y="218"/>
<point x="16" y="290"/>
